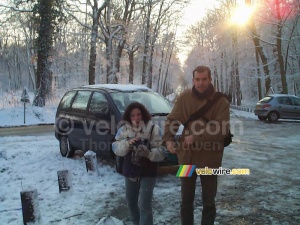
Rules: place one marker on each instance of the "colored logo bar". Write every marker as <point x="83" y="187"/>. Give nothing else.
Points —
<point x="185" y="170"/>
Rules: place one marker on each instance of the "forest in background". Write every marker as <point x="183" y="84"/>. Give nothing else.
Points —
<point x="51" y="45"/>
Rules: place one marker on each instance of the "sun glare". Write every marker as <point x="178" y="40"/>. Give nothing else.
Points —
<point x="241" y="15"/>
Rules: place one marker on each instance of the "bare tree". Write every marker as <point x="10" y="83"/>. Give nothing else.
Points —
<point x="130" y="51"/>
<point x="156" y="16"/>
<point x="95" y="13"/>
<point x="148" y="7"/>
<point x="123" y="14"/>
<point x="283" y="9"/>
<point x="46" y="14"/>
<point x="29" y="32"/>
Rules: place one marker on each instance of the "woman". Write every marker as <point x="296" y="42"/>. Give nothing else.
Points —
<point x="140" y="167"/>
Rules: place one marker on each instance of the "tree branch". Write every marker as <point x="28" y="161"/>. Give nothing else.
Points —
<point x="78" y="21"/>
<point x="15" y="9"/>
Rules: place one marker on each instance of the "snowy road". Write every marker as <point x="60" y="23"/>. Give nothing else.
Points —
<point x="269" y="195"/>
<point x="27" y="130"/>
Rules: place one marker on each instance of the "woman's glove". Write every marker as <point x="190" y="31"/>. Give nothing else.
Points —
<point x="143" y="151"/>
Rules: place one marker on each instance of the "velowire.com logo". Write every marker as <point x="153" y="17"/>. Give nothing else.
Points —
<point x="188" y="170"/>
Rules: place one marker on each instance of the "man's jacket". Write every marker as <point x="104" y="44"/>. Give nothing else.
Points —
<point x="208" y="133"/>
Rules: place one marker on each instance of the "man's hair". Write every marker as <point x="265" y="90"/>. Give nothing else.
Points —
<point x="202" y="69"/>
<point x="146" y="117"/>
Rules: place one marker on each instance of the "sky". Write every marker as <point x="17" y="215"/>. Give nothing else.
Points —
<point x="196" y="10"/>
<point x="192" y="13"/>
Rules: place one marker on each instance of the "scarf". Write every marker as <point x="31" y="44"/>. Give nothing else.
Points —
<point x="206" y="94"/>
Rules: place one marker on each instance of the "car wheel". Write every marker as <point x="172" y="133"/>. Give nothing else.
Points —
<point x="262" y="117"/>
<point x="273" y="116"/>
<point x="66" y="149"/>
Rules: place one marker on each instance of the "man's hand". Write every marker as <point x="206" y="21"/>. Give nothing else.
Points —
<point x="143" y="151"/>
<point x="188" y="140"/>
<point x="170" y="146"/>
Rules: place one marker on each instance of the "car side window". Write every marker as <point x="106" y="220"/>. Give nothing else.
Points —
<point x="284" y="101"/>
<point x="99" y="104"/>
<point x="81" y="100"/>
<point x="296" y="101"/>
<point x="65" y="103"/>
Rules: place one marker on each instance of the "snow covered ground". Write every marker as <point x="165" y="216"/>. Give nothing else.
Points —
<point x="12" y="110"/>
<point x="269" y="195"/>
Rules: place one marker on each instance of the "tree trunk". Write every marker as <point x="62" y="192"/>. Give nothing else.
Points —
<point x="152" y="44"/>
<point x="237" y="83"/>
<point x="227" y="74"/>
<point x="31" y="70"/>
<point x="45" y="40"/>
<point x="149" y="81"/>
<point x="111" y="74"/>
<point x="258" y="75"/>
<point x="131" y="66"/>
<point x="108" y="59"/>
<point x="9" y="74"/>
<point x="264" y="61"/>
<point x="160" y="70"/>
<point x="215" y="77"/>
<point x="258" y="47"/>
<point x="93" y="48"/>
<point x="165" y="66"/>
<point x="296" y="88"/>
<point x="167" y="72"/>
<point x="288" y="47"/>
<point x="232" y="82"/>
<point x="119" y="54"/>
<point x="146" y="43"/>
<point x="130" y="52"/>
<point x="279" y="50"/>
<point x="221" y="73"/>
<point x="236" y="67"/>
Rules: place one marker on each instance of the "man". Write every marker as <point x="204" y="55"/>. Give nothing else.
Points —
<point x="201" y="143"/>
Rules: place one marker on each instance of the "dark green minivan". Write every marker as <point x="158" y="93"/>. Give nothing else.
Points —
<point x="88" y="117"/>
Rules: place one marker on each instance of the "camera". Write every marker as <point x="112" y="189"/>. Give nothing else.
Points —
<point x="141" y="141"/>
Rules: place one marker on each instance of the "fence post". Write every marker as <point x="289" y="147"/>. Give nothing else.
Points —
<point x="64" y="180"/>
<point x="30" y="206"/>
<point x="91" y="161"/>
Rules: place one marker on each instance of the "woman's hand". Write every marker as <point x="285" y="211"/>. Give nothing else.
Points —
<point x="133" y="140"/>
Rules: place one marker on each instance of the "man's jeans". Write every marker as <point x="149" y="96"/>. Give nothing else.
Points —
<point x="209" y="191"/>
<point x="139" y="200"/>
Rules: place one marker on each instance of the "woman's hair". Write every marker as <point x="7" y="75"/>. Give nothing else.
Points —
<point x="146" y="117"/>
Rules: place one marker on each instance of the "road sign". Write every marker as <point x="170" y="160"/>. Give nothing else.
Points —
<point x="25" y="99"/>
<point x="25" y="96"/>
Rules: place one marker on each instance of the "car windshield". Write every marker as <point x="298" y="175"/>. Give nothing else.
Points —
<point x="265" y="99"/>
<point x="155" y="103"/>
